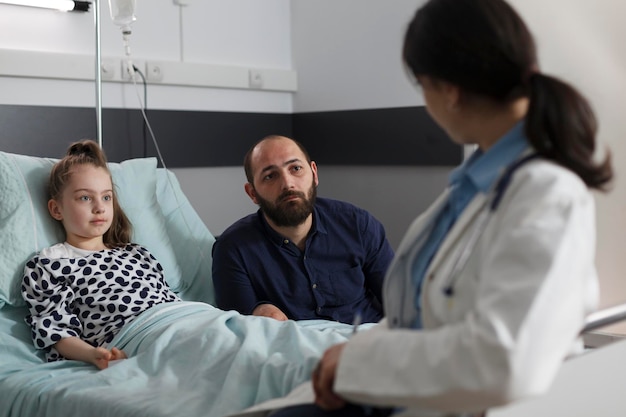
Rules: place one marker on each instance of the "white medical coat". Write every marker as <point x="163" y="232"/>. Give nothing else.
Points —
<point x="519" y="304"/>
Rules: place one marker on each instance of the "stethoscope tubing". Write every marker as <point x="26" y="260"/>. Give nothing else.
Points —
<point x="489" y="207"/>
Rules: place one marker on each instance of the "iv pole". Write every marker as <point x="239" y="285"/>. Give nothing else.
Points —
<point x="96" y="15"/>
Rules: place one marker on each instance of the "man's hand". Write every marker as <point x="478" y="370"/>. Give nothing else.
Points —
<point x="323" y="379"/>
<point x="269" y="310"/>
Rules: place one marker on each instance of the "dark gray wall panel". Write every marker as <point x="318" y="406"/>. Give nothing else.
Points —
<point x="390" y="136"/>
<point x="185" y="138"/>
<point x="398" y="136"/>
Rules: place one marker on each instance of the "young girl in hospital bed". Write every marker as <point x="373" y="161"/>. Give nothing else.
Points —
<point x="490" y="287"/>
<point x="80" y="293"/>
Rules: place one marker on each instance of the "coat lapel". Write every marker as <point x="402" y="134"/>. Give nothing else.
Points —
<point x="460" y="227"/>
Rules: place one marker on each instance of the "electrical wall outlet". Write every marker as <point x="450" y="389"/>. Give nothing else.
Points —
<point x="125" y="74"/>
<point x="107" y="69"/>
<point x="154" y="71"/>
<point x="255" y="78"/>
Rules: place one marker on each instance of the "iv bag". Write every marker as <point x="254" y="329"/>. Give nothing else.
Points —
<point x="123" y="13"/>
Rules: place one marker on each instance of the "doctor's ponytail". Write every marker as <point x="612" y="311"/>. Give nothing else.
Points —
<point x="561" y="125"/>
<point x="486" y="49"/>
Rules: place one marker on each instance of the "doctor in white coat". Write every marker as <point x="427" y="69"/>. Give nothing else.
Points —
<point x="490" y="287"/>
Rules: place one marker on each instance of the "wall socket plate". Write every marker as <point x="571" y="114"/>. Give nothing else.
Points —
<point x="255" y="78"/>
<point x="154" y="71"/>
<point x="125" y="73"/>
<point x="55" y="66"/>
<point x="107" y="69"/>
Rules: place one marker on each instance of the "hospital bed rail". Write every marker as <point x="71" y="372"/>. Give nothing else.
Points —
<point x="604" y="317"/>
<point x="590" y="383"/>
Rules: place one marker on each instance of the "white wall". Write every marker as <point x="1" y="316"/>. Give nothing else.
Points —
<point x="348" y="54"/>
<point x="235" y="32"/>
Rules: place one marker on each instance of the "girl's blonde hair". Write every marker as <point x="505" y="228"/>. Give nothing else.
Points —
<point x="88" y="152"/>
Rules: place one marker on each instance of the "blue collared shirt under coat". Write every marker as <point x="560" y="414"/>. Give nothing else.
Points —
<point x="340" y="271"/>
<point x="477" y="174"/>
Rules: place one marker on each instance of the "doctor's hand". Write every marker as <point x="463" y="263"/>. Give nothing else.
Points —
<point x="323" y="379"/>
<point x="269" y="310"/>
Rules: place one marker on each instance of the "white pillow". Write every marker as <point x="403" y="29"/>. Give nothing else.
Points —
<point x="191" y="239"/>
<point x="26" y="227"/>
<point x="135" y="184"/>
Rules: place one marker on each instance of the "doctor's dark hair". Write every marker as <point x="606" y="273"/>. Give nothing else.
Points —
<point x="247" y="160"/>
<point x="88" y="152"/>
<point x="484" y="48"/>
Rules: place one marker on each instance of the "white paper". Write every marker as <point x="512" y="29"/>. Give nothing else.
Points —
<point x="302" y="394"/>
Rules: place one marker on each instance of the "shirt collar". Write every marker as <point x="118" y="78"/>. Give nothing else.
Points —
<point x="271" y="233"/>
<point x="316" y="227"/>
<point x="482" y="169"/>
<point x="319" y="225"/>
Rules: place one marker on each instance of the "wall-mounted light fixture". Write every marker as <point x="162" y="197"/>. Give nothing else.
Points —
<point x="63" y="5"/>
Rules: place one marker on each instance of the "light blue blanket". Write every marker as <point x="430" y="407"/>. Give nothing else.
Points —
<point x="186" y="359"/>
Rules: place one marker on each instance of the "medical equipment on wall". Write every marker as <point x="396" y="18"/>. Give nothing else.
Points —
<point x="486" y="211"/>
<point x="123" y="15"/>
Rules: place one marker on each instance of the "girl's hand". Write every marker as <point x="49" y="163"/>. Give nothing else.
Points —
<point x="102" y="356"/>
<point x="76" y="349"/>
<point x="323" y="379"/>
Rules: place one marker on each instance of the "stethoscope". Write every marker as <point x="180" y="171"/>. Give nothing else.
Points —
<point x="488" y="208"/>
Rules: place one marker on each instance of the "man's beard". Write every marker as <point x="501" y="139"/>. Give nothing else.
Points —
<point x="289" y="213"/>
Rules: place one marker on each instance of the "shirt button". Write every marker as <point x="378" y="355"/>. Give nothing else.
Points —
<point x="314" y="286"/>
<point x="286" y="241"/>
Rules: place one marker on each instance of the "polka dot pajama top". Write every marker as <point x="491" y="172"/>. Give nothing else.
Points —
<point x="89" y="294"/>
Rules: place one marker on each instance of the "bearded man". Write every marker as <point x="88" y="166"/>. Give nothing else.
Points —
<point x="299" y="257"/>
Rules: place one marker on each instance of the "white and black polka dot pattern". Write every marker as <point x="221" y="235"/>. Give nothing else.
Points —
<point x="90" y="297"/>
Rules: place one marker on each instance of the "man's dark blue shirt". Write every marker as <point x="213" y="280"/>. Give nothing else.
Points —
<point x="339" y="273"/>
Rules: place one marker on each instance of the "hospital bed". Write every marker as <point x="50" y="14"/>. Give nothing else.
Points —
<point x="195" y="360"/>
<point x="187" y="359"/>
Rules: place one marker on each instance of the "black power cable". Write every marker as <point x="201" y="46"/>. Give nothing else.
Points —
<point x="145" y="105"/>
